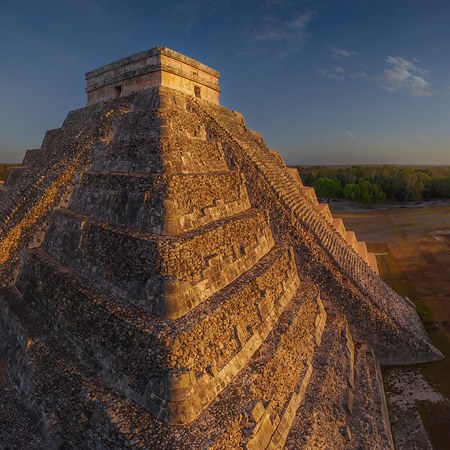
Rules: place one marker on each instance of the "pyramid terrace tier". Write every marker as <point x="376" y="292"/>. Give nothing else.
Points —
<point x="97" y="414"/>
<point x="167" y="204"/>
<point x="343" y="405"/>
<point x="17" y="430"/>
<point x="321" y="421"/>
<point x="146" y="138"/>
<point x="163" y="155"/>
<point x="166" y="274"/>
<point x="173" y="369"/>
<point x="274" y="383"/>
<point x="60" y="394"/>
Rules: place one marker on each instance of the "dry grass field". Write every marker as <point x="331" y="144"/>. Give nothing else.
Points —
<point x="413" y="253"/>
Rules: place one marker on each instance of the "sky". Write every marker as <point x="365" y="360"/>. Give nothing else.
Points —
<point x="325" y="82"/>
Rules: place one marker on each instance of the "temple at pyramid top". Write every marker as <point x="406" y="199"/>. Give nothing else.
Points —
<point x="158" y="66"/>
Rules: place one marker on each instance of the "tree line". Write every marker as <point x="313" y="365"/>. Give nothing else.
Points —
<point x="368" y="185"/>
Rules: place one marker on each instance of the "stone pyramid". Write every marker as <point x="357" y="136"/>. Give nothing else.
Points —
<point x="167" y="283"/>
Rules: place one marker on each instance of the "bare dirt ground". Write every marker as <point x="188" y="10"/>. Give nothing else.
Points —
<point x="413" y="252"/>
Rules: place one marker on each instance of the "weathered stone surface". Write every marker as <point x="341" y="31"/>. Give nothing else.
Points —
<point x="163" y="279"/>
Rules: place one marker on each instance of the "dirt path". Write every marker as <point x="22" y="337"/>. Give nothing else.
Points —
<point x="413" y="252"/>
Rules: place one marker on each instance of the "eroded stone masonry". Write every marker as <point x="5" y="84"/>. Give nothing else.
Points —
<point x="167" y="283"/>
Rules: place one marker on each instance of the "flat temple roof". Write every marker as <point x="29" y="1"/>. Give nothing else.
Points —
<point x="149" y="53"/>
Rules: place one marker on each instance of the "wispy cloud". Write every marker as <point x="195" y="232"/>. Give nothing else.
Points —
<point x="349" y="134"/>
<point x="341" y="136"/>
<point x="341" y="74"/>
<point x="273" y="29"/>
<point x="406" y="76"/>
<point x="419" y="137"/>
<point x="349" y="65"/>
<point x="279" y="27"/>
<point x="342" y="54"/>
<point x="402" y="75"/>
<point x="335" y="73"/>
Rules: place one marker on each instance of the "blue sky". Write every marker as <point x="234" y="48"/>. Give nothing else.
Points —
<point x="327" y="82"/>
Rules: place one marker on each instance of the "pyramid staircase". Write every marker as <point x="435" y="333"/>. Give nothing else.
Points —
<point x="164" y="287"/>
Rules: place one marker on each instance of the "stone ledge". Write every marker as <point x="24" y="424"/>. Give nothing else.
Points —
<point x="171" y="274"/>
<point x="148" y="54"/>
<point x="166" y="204"/>
<point x="182" y="394"/>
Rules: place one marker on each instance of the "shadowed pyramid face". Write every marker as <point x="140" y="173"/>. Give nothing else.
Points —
<point x="170" y="276"/>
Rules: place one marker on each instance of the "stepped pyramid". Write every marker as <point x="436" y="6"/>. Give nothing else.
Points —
<point x="167" y="283"/>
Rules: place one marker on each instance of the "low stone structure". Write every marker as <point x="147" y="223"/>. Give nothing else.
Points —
<point x="166" y="282"/>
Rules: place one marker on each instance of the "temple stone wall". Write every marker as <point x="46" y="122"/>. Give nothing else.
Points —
<point x="159" y="66"/>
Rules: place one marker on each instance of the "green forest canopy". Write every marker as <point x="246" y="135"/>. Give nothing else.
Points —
<point x="367" y="185"/>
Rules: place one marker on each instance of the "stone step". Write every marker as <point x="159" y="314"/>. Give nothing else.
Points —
<point x="95" y="415"/>
<point x="159" y="156"/>
<point x="322" y="419"/>
<point x="52" y="382"/>
<point x="17" y="430"/>
<point x="14" y="173"/>
<point x="167" y="204"/>
<point x="141" y="353"/>
<point x="369" y="402"/>
<point x="167" y="275"/>
<point x="343" y="407"/>
<point x="324" y="209"/>
<point x="256" y="411"/>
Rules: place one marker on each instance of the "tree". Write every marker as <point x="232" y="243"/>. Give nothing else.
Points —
<point x="364" y="193"/>
<point x="352" y="192"/>
<point x="329" y="188"/>
<point x="371" y="193"/>
<point x="409" y="184"/>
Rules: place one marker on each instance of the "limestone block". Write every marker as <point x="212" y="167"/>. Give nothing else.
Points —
<point x="350" y="237"/>
<point x="311" y="194"/>
<point x="324" y="209"/>
<point x="338" y="225"/>
<point x="373" y="262"/>
<point x="14" y="173"/>
<point x="362" y="251"/>
<point x="257" y="411"/>
<point x="293" y="172"/>
<point x="32" y="156"/>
